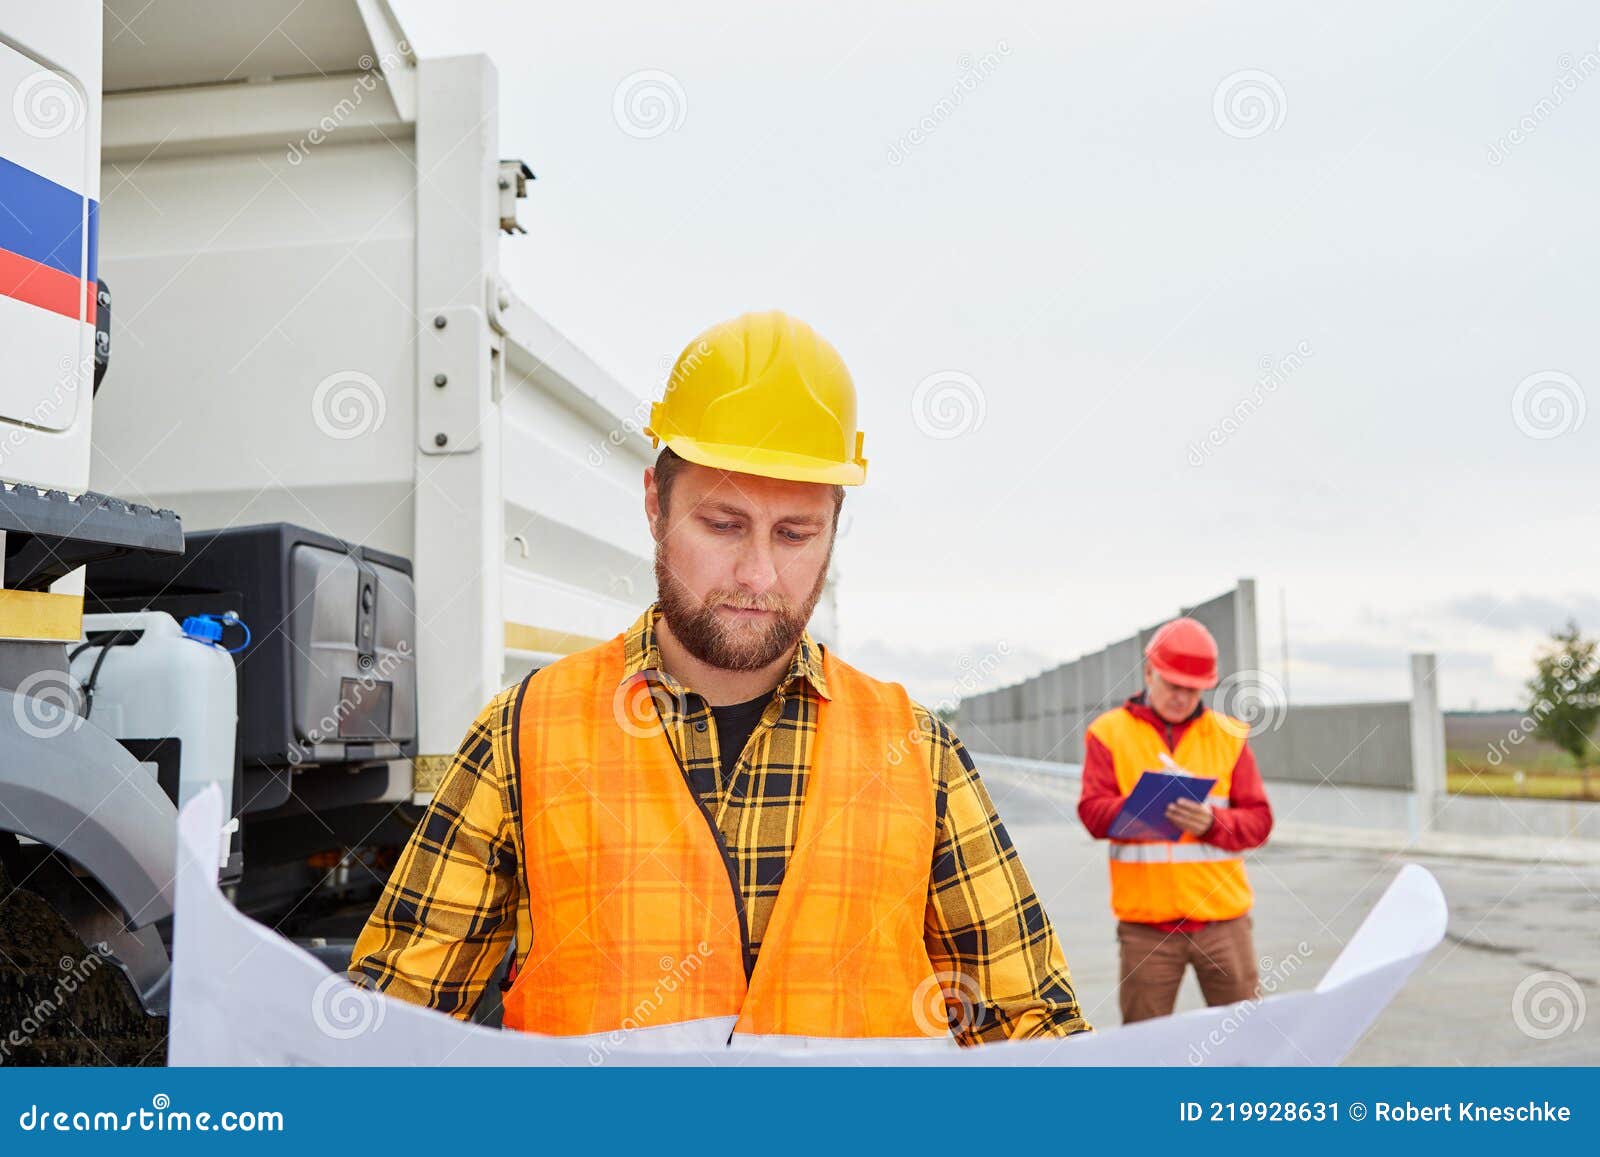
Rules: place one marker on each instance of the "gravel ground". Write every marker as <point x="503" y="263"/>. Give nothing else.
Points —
<point x="62" y="1003"/>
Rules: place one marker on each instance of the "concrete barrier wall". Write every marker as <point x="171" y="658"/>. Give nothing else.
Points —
<point x="1045" y="717"/>
<point x="1124" y="672"/>
<point x="1325" y="805"/>
<point x="1386" y="811"/>
<point x="1346" y="744"/>
<point x="1474" y="815"/>
<point x="1353" y="745"/>
<point x="1231" y="620"/>
<point x="1292" y="803"/>
<point x="1377" y="766"/>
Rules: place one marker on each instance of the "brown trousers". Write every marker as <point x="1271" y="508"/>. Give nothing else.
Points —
<point x="1223" y="954"/>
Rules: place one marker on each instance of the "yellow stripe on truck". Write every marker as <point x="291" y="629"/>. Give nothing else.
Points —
<point x="522" y="637"/>
<point x="427" y="773"/>
<point x="41" y="615"/>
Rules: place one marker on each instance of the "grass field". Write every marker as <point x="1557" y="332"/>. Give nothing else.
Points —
<point x="1543" y="777"/>
<point x="1547" y="772"/>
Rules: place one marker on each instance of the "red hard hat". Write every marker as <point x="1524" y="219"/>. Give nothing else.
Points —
<point x="1184" y="653"/>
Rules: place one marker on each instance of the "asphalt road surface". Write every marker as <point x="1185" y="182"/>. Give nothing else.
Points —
<point x="1516" y="981"/>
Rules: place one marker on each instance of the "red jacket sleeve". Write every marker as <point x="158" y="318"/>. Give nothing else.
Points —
<point x="1247" y="820"/>
<point x="1099" y="801"/>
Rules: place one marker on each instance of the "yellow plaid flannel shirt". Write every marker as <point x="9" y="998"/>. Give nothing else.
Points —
<point x="456" y="898"/>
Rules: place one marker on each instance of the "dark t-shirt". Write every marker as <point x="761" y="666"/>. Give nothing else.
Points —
<point x="735" y="724"/>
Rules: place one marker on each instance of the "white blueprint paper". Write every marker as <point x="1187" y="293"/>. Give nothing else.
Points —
<point x="242" y="995"/>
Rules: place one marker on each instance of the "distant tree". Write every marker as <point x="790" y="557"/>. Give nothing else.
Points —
<point x="1565" y="690"/>
<point x="946" y="713"/>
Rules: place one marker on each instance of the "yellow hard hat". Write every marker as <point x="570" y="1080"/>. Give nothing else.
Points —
<point x="763" y="394"/>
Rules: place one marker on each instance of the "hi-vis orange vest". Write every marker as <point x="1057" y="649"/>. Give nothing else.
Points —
<point x="636" y="913"/>
<point x="1155" y="882"/>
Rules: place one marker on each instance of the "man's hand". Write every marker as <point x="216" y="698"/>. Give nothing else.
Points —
<point x="1194" y="818"/>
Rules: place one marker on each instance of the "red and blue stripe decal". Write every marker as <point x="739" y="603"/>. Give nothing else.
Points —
<point x="41" y="243"/>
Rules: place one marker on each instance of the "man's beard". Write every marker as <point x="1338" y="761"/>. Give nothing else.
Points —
<point x="732" y="646"/>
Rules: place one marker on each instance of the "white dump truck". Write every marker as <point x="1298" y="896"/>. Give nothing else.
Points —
<point x="359" y="485"/>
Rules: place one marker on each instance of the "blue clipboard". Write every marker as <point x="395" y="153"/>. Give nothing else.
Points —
<point x="1144" y="814"/>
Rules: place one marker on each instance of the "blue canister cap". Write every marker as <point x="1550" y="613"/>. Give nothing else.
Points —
<point x="205" y="628"/>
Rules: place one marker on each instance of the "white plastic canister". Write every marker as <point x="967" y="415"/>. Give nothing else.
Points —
<point x="166" y="685"/>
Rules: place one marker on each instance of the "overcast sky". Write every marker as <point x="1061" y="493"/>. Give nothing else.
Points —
<point x="1138" y="301"/>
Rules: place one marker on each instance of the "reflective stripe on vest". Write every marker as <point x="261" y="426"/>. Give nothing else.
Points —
<point x="1187" y="879"/>
<point x="1168" y="853"/>
<point x="634" y="904"/>
<point x="704" y="1036"/>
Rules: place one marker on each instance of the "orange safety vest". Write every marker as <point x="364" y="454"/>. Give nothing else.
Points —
<point x="1153" y="882"/>
<point x="637" y="917"/>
